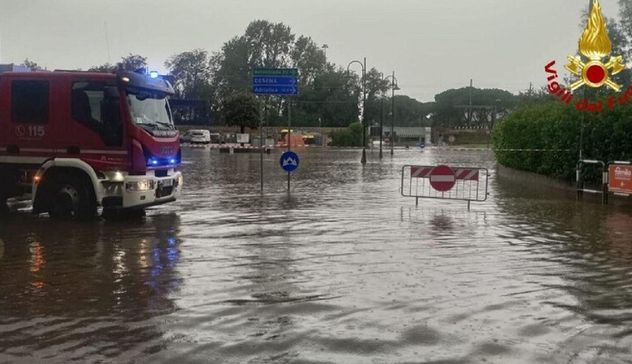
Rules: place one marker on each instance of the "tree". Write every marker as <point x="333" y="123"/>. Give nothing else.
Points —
<point x="192" y="73"/>
<point x="376" y="86"/>
<point x="309" y="58"/>
<point x="32" y="65"/>
<point x="105" y="68"/>
<point x="625" y="13"/>
<point x="270" y="45"/>
<point x="409" y="112"/>
<point x="330" y="100"/>
<point x="348" y="137"/>
<point x="132" y="62"/>
<point x="452" y="106"/>
<point x="263" y="44"/>
<point x="242" y="110"/>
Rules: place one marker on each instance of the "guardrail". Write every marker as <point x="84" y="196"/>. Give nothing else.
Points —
<point x="580" y="179"/>
<point x="616" y="178"/>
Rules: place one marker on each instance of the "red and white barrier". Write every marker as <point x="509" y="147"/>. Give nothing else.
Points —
<point x="444" y="182"/>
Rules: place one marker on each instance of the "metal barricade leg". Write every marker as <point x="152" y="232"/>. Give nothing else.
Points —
<point x="605" y="186"/>
<point x="578" y="181"/>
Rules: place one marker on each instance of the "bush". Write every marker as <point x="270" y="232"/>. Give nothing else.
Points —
<point x="349" y="137"/>
<point x="556" y="127"/>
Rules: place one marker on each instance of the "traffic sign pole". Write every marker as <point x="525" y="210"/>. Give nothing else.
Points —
<point x="289" y="137"/>
<point x="261" y="150"/>
<point x="277" y="82"/>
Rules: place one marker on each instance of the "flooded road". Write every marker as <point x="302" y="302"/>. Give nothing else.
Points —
<point x="345" y="270"/>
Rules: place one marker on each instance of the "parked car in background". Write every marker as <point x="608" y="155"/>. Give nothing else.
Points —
<point x="197" y="136"/>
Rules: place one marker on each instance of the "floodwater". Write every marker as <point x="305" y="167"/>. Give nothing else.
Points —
<point x="344" y="270"/>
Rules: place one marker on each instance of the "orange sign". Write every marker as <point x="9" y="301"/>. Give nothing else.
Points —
<point x="620" y="179"/>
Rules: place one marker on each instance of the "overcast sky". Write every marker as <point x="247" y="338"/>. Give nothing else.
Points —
<point x="432" y="45"/>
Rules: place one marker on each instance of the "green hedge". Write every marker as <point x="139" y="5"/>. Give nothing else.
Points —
<point x="348" y="137"/>
<point x="556" y="126"/>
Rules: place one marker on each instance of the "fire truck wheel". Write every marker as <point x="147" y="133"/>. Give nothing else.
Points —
<point x="71" y="199"/>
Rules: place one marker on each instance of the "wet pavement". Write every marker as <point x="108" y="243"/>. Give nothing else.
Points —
<point x="345" y="270"/>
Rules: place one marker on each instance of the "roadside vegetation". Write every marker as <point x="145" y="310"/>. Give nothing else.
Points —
<point x="348" y="137"/>
<point x="545" y="138"/>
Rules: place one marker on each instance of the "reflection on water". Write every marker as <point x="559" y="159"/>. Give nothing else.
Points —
<point x="343" y="270"/>
<point x="79" y="291"/>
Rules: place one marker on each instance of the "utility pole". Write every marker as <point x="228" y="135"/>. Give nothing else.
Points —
<point x="381" y="123"/>
<point x="469" y="114"/>
<point x="393" y="113"/>
<point x="363" y="160"/>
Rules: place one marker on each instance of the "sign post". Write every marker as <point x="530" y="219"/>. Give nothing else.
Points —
<point x="278" y="82"/>
<point x="289" y="137"/>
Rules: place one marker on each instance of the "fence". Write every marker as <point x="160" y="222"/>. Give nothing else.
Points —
<point x="445" y="183"/>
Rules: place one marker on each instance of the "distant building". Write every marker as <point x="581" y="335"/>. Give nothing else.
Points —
<point x="404" y="135"/>
<point x="11" y="67"/>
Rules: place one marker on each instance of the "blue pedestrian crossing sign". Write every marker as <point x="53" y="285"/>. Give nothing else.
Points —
<point x="289" y="161"/>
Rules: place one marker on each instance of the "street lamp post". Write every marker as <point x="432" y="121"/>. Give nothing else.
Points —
<point x="363" y="64"/>
<point x="382" y="115"/>
<point x="393" y="88"/>
<point x="381" y="123"/>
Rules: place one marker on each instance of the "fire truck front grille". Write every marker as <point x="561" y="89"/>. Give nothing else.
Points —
<point x="164" y="191"/>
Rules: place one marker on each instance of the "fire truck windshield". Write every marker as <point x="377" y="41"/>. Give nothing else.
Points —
<point x="150" y="111"/>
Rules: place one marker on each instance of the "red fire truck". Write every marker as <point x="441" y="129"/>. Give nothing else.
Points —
<point x="73" y="141"/>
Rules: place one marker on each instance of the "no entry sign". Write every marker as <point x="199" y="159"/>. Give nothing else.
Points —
<point x="442" y="178"/>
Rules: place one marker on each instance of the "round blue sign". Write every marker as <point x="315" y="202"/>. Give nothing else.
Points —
<point x="289" y="161"/>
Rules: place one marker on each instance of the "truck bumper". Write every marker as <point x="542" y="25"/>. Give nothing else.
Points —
<point x="144" y="191"/>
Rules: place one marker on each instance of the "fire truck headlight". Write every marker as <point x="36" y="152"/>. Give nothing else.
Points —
<point x="139" y="186"/>
<point x="153" y="74"/>
<point x="118" y="177"/>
